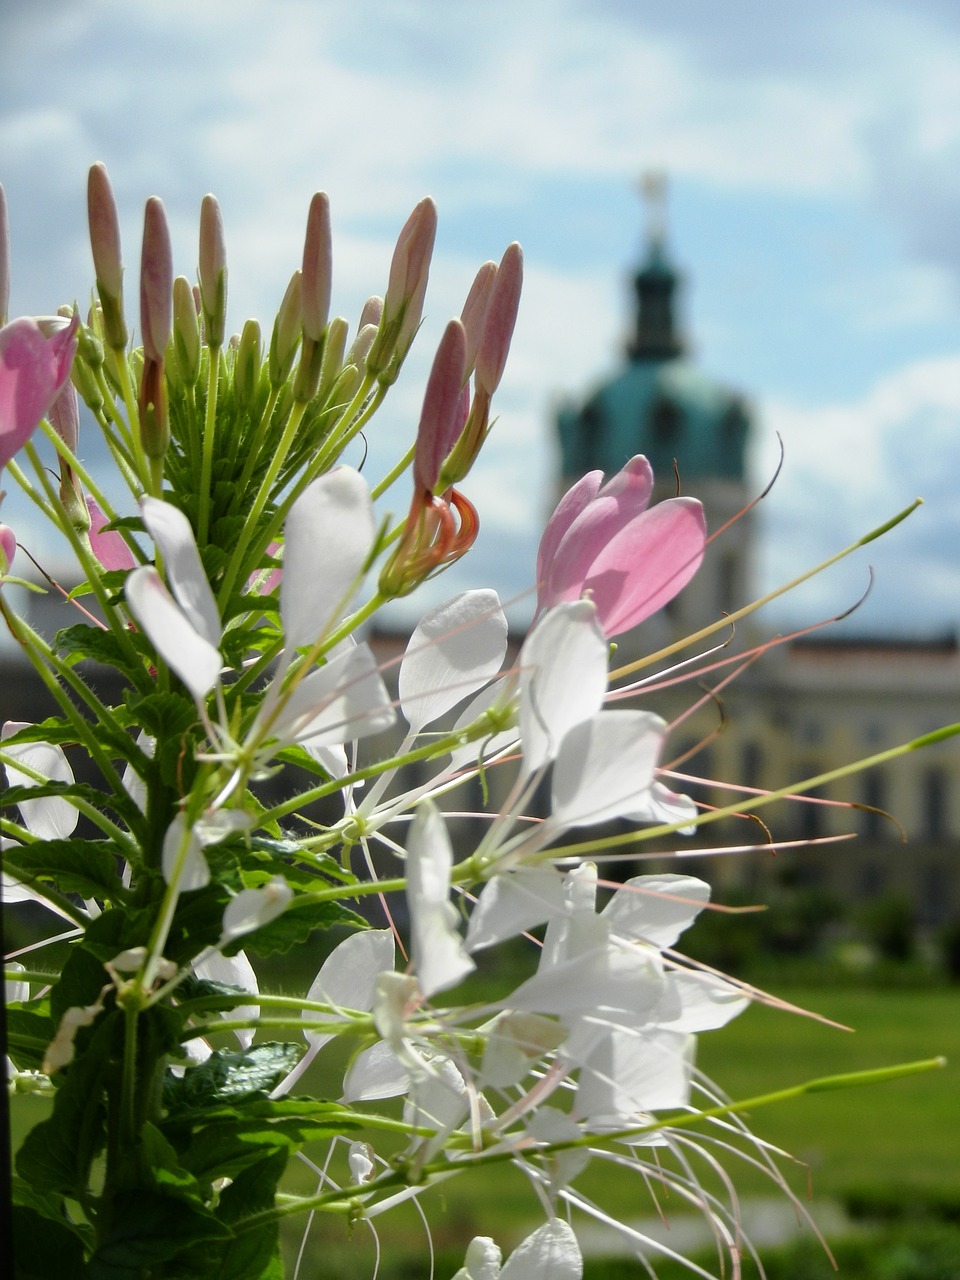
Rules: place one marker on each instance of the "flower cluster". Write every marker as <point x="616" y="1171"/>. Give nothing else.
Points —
<point x="252" y="793"/>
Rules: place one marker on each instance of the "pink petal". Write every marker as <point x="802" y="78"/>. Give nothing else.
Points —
<point x="647" y="563"/>
<point x="109" y="548"/>
<point x="33" y="368"/>
<point x="574" y="501"/>
<point x="618" y="504"/>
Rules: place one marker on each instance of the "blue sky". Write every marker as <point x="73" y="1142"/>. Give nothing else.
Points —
<point x="814" y="162"/>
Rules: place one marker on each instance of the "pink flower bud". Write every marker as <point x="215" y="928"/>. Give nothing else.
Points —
<point x="406" y="289"/>
<point x="213" y="272"/>
<point x="8" y="548"/>
<point x="317" y="268"/>
<point x="440" y="421"/>
<point x="475" y="310"/>
<point x="156" y="282"/>
<point x="605" y="542"/>
<point x="33" y="368"/>
<point x="4" y="258"/>
<point x="500" y="319"/>
<point x="104" y="226"/>
<point x="371" y="313"/>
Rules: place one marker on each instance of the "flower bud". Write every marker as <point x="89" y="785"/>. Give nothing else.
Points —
<point x="360" y="347"/>
<point x="286" y="333"/>
<point x="333" y="350"/>
<point x="8" y="548"/>
<point x="246" y="368"/>
<point x="406" y="289"/>
<point x="105" y="242"/>
<point x="4" y="259"/>
<point x="439" y="418"/>
<point x="186" y="332"/>
<point x="64" y="416"/>
<point x="156" y="282"/>
<point x="213" y="272"/>
<point x="475" y="310"/>
<point x="500" y="319"/>
<point x="317" y="268"/>
<point x="154" y="423"/>
<point x="371" y="313"/>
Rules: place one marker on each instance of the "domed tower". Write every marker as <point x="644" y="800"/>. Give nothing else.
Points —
<point x="693" y="430"/>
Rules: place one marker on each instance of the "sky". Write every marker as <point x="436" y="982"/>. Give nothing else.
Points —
<point x="813" y="155"/>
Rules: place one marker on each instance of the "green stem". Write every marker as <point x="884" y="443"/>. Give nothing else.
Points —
<point x="209" y="439"/>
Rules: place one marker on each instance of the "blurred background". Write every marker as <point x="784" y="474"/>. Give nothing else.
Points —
<point x="806" y="218"/>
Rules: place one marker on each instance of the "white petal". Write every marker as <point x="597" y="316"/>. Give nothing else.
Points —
<point x="328" y="536"/>
<point x="454" y="651"/>
<point x="437" y="952"/>
<point x="376" y="1072"/>
<point x="50" y="817"/>
<point x="663" y="805"/>
<point x="233" y="971"/>
<point x="705" y="1002"/>
<point x="348" y="977"/>
<point x="195" y="660"/>
<point x="252" y="908"/>
<point x="551" y="1253"/>
<point x="171" y="531"/>
<point x="516" y="1041"/>
<point x="342" y="700"/>
<point x="481" y="1261"/>
<point x="655" y="909"/>
<point x="630" y="1072"/>
<point x="605" y="766"/>
<point x="498" y="695"/>
<point x="183" y="853"/>
<point x="512" y="903"/>
<point x="563" y="678"/>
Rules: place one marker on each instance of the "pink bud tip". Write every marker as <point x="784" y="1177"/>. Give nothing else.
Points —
<point x="8" y="547"/>
<point x="156" y="281"/>
<point x="500" y="319"/>
<point x="440" y="419"/>
<point x="317" y="268"/>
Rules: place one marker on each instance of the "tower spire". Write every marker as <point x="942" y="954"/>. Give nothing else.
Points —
<point x="655" y="336"/>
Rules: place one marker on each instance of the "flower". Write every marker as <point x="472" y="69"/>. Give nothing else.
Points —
<point x="33" y="368"/>
<point x="607" y="541"/>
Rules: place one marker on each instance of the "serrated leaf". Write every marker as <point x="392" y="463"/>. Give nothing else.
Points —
<point x="295" y="926"/>
<point x="84" y="867"/>
<point x="228" y="1077"/>
<point x="82" y="642"/>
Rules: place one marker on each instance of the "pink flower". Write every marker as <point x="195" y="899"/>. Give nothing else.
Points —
<point x="8" y="547"/>
<point x="631" y="558"/>
<point x="33" y="368"/>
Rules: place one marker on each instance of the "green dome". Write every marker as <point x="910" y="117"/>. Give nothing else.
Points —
<point x="659" y="403"/>
<point x="667" y="409"/>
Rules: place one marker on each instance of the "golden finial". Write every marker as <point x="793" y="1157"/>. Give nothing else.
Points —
<point x="653" y="189"/>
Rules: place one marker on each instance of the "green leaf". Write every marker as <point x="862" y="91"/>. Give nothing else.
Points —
<point x="56" y="1154"/>
<point x="147" y="1228"/>
<point x="253" y="1254"/>
<point x="228" y="1076"/>
<point x="85" y="867"/>
<point x="45" y="1248"/>
<point x="87" y="642"/>
<point x="295" y="926"/>
<point x="82" y="978"/>
<point x="168" y="1175"/>
<point x="28" y="1034"/>
<point x="75" y="790"/>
